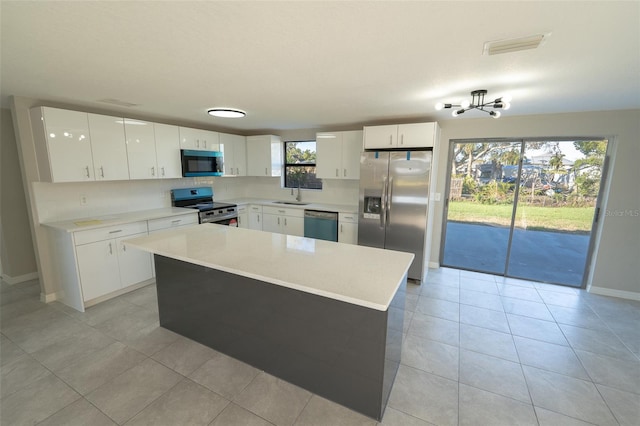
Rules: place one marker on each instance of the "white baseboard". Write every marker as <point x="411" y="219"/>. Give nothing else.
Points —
<point x="631" y="295"/>
<point x="434" y="265"/>
<point x="20" y="278"/>
<point x="48" y="298"/>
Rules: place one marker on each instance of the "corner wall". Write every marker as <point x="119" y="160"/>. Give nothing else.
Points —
<point x="615" y="267"/>
<point x="16" y="248"/>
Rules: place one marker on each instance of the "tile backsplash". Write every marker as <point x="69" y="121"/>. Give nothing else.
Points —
<point x="63" y="201"/>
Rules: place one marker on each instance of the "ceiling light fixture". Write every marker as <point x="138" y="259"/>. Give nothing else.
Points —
<point x="226" y="112"/>
<point x="477" y="102"/>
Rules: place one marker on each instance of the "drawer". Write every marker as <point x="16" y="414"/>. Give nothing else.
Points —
<point x="282" y="211"/>
<point x="348" y="218"/>
<point x="173" y="221"/>
<point x="242" y="209"/>
<point x="255" y="208"/>
<point x="101" y="234"/>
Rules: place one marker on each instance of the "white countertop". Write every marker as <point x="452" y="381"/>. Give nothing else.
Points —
<point x="360" y="275"/>
<point x="340" y="208"/>
<point x="86" y="223"/>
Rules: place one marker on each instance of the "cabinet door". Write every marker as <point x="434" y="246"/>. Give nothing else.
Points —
<point x="351" y="151"/>
<point x="348" y="233"/>
<point x="141" y="149"/>
<point x="329" y="155"/>
<point x="258" y="156"/>
<point x="69" y="145"/>
<point x="234" y="151"/>
<point x="416" y="135"/>
<point x="380" y="136"/>
<point x="272" y="223"/>
<point x="209" y="141"/>
<point x="109" y="147"/>
<point x="243" y="220"/>
<point x="189" y="138"/>
<point x="255" y="221"/>
<point x="135" y="265"/>
<point x="293" y="225"/>
<point x="167" y="151"/>
<point x="98" y="263"/>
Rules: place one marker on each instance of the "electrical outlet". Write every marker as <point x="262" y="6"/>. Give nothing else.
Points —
<point x="83" y="200"/>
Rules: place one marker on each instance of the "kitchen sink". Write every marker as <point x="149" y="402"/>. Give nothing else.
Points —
<point x="295" y="203"/>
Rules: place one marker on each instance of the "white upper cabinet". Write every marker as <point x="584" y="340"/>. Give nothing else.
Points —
<point x="415" y="135"/>
<point x="264" y="155"/>
<point x="109" y="147"/>
<point x="198" y="139"/>
<point x="141" y="149"/>
<point x="234" y="154"/>
<point x="168" y="151"/>
<point x="63" y="145"/>
<point x="338" y="155"/>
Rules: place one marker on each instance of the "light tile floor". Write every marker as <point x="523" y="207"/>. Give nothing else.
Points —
<point x="478" y="350"/>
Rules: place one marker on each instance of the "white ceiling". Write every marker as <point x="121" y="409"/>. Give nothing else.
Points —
<point x="319" y="64"/>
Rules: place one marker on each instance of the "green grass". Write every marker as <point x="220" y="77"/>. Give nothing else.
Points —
<point x="558" y="219"/>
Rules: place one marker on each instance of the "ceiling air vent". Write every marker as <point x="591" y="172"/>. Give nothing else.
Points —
<point x="513" y="45"/>
<point x="117" y="102"/>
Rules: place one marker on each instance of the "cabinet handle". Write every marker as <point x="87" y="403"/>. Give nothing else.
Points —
<point x="110" y="249"/>
<point x="101" y="171"/>
<point x="341" y="228"/>
<point x="345" y="173"/>
<point x="124" y="248"/>
<point x="116" y="231"/>
<point x="390" y="139"/>
<point x="336" y="172"/>
<point x="237" y="170"/>
<point x="282" y="211"/>
<point x="278" y="221"/>
<point x="285" y="221"/>
<point x="258" y="219"/>
<point x="402" y="139"/>
<point x="205" y="144"/>
<point x="153" y="171"/>
<point x="265" y="171"/>
<point x="197" y="143"/>
<point x="176" y="221"/>
<point x="163" y="171"/>
<point x="87" y="169"/>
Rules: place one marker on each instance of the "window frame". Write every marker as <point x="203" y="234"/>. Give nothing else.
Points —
<point x="286" y="184"/>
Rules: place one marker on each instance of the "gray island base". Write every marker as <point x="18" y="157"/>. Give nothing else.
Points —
<point x="341" y="351"/>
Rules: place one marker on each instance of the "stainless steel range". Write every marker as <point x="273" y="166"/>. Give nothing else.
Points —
<point x="209" y="211"/>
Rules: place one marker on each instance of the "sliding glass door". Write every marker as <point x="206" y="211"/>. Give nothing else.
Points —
<point x="523" y="209"/>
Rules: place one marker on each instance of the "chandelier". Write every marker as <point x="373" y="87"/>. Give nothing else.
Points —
<point x="477" y="102"/>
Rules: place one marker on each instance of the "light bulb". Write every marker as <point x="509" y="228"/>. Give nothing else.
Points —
<point x="454" y="113"/>
<point x="465" y="104"/>
<point x="506" y="98"/>
<point x="506" y="105"/>
<point x="495" y="114"/>
<point x="439" y="106"/>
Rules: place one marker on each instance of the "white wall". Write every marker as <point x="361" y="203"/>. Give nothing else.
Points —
<point x="615" y="267"/>
<point x="16" y="248"/>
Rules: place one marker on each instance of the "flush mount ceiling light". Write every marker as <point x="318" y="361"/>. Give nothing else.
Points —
<point x="477" y="102"/>
<point x="226" y="112"/>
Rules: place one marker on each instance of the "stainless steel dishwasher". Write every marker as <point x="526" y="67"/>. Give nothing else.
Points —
<point x="321" y="225"/>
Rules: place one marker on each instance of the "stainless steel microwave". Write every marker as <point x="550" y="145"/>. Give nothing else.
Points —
<point x="201" y="163"/>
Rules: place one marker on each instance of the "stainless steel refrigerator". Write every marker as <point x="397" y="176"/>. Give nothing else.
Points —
<point x="394" y="197"/>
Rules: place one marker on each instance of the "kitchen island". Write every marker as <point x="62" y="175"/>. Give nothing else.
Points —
<point x="322" y="315"/>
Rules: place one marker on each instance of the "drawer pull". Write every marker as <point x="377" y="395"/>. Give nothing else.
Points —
<point x="176" y="221"/>
<point x="110" y="249"/>
<point x="116" y="231"/>
<point x="282" y="211"/>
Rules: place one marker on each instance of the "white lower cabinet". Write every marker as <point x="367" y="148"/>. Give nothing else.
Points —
<point x="348" y="228"/>
<point x="104" y="265"/>
<point x="283" y="221"/>
<point x="243" y="216"/>
<point x="255" y="217"/>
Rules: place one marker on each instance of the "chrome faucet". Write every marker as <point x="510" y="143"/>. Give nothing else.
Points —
<point x="299" y="196"/>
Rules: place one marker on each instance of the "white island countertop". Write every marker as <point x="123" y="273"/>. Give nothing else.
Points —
<point x="359" y="275"/>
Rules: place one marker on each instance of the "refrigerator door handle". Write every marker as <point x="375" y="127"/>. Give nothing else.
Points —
<point x="389" y="196"/>
<point x="383" y="206"/>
